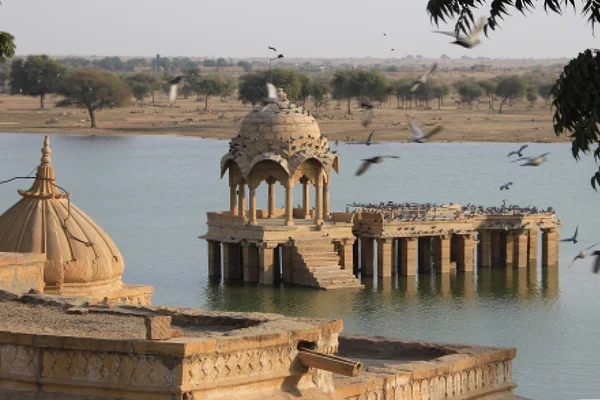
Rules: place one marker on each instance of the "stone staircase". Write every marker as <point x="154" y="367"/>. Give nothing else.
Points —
<point x="315" y="263"/>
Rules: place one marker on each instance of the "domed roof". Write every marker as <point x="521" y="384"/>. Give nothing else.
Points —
<point x="278" y="131"/>
<point x="81" y="257"/>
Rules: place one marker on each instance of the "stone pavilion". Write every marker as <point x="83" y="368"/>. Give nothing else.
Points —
<point x="78" y="258"/>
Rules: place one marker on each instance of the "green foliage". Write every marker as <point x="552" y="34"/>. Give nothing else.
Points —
<point x="136" y="62"/>
<point x="532" y="94"/>
<point x="577" y="103"/>
<point x="94" y="89"/>
<point x="36" y="76"/>
<point x="114" y="64"/>
<point x="7" y="46"/>
<point x="359" y="84"/>
<point x="488" y="86"/>
<point x="252" y="86"/>
<point x="510" y="87"/>
<point x="74" y="62"/>
<point x="441" y="10"/>
<point x="141" y="84"/>
<point x="209" y="85"/>
<point x="246" y="65"/>
<point x="319" y="88"/>
<point x="469" y="91"/>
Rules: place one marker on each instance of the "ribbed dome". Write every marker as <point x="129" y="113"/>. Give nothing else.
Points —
<point x="81" y="257"/>
<point x="281" y="132"/>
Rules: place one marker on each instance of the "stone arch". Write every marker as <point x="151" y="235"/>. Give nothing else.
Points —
<point x="310" y="167"/>
<point x="264" y="169"/>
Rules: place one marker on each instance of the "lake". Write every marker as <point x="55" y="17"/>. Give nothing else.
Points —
<point x="151" y="194"/>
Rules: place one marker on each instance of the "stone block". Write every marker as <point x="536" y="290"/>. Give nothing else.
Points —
<point x="158" y="327"/>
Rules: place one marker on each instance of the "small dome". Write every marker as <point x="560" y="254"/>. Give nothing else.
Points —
<point x="81" y="257"/>
<point x="278" y="131"/>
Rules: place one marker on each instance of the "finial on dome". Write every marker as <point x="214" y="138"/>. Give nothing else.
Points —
<point x="281" y="94"/>
<point x="46" y="151"/>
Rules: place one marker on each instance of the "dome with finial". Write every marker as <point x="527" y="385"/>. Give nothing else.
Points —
<point x="81" y="258"/>
<point x="278" y="131"/>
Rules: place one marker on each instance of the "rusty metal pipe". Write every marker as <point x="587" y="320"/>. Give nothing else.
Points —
<point x="327" y="362"/>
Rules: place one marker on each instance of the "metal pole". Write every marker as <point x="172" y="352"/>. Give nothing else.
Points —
<point x="270" y="71"/>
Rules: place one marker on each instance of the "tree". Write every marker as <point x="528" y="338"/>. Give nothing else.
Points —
<point x="469" y="91"/>
<point x="401" y="89"/>
<point x="74" y="62"/>
<point x="489" y="87"/>
<point x="511" y="87"/>
<point x="245" y="65"/>
<point x="531" y="94"/>
<point x="114" y="64"/>
<point x="209" y="85"/>
<point x="319" y="88"/>
<point x="7" y="46"/>
<point x="544" y="89"/>
<point x="363" y="85"/>
<point x="136" y="62"/>
<point x="141" y="84"/>
<point x="439" y="91"/>
<point x="36" y="76"/>
<point x="579" y="80"/>
<point x="345" y="86"/>
<point x="93" y="89"/>
<point x="252" y="86"/>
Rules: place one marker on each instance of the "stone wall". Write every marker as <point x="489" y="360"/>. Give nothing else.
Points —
<point x="20" y="272"/>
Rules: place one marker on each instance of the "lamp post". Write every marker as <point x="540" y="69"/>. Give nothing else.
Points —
<point x="279" y="57"/>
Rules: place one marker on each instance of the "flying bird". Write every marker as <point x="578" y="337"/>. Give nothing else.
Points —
<point x="572" y="238"/>
<point x="518" y="152"/>
<point x="173" y="88"/>
<point x="384" y="34"/>
<point x="280" y="56"/>
<point x="533" y="161"/>
<point x="367" y="162"/>
<point x="423" y="79"/>
<point x="596" y="266"/>
<point x="272" y="96"/>
<point x="419" y="136"/>
<point x="506" y="186"/>
<point x="368" y="106"/>
<point x="273" y="48"/>
<point x="581" y="255"/>
<point x="393" y="49"/>
<point x="368" y="142"/>
<point x="470" y="41"/>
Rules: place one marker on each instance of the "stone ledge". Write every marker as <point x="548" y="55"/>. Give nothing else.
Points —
<point x="9" y="259"/>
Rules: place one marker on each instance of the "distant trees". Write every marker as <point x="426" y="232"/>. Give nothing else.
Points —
<point x="7" y="46"/>
<point x="252" y="86"/>
<point x="469" y="91"/>
<point x="319" y="88"/>
<point x="141" y="85"/>
<point x="510" y="87"/>
<point x="532" y="94"/>
<point x="246" y="65"/>
<point x="209" y="85"/>
<point x="74" y="62"/>
<point x="489" y="87"/>
<point x="94" y="89"/>
<point x="113" y="64"/>
<point x="401" y="90"/>
<point x="133" y="63"/>
<point x="363" y="85"/>
<point x="36" y="76"/>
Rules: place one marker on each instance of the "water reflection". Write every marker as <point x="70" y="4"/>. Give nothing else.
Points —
<point x="507" y="283"/>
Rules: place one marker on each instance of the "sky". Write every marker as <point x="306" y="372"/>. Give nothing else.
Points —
<point x="242" y="28"/>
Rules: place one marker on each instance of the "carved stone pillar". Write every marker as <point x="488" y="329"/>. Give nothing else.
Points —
<point x="271" y="200"/>
<point x="408" y="255"/>
<point x="233" y="204"/>
<point x="346" y="253"/>
<point x="385" y="261"/>
<point x="266" y="263"/>
<point x="326" y="200"/>
<point x="289" y="206"/>
<point x="242" y="202"/>
<point x="532" y="245"/>
<point x="520" y="250"/>
<point x="306" y="197"/>
<point x="252" y="205"/>
<point x="466" y="253"/>
<point x="250" y="257"/>
<point x="319" y="198"/>
<point x="509" y="248"/>
<point x="442" y="254"/>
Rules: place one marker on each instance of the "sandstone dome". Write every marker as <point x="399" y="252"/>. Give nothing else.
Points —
<point x="278" y="131"/>
<point x="81" y="258"/>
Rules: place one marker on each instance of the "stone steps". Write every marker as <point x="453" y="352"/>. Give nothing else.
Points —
<point x="318" y="265"/>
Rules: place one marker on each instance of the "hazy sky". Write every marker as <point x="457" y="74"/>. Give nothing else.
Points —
<point x="242" y="28"/>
